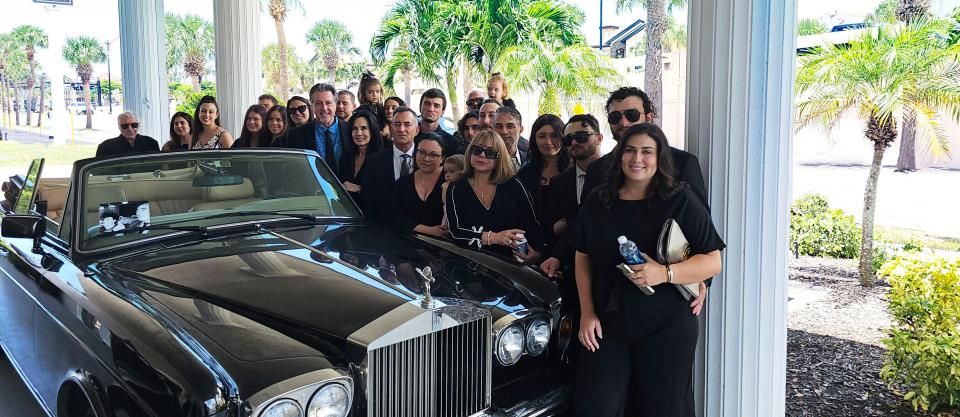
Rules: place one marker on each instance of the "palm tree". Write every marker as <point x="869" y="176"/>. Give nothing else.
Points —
<point x="331" y="40"/>
<point x="81" y="52"/>
<point x="278" y="11"/>
<point x="910" y="68"/>
<point x="656" y="25"/>
<point x="503" y="24"/>
<point x="30" y="38"/>
<point x="908" y="11"/>
<point x="276" y="72"/>
<point x="190" y="45"/>
<point x="810" y="26"/>
<point x="403" y="33"/>
<point x="559" y="72"/>
<point x="10" y="54"/>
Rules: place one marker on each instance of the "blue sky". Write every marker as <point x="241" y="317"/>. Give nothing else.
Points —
<point x="98" y="18"/>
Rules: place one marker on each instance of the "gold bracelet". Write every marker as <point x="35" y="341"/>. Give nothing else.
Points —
<point x="669" y="274"/>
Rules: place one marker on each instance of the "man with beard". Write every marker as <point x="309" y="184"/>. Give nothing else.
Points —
<point x="475" y="100"/>
<point x="582" y="138"/>
<point x="630" y="106"/>
<point x="432" y="105"/>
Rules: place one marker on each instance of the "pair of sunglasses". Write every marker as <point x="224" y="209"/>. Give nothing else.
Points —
<point x="474" y="102"/>
<point x="129" y="125"/>
<point x="486" y="152"/>
<point x="632" y="116"/>
<point x="298" y="109"/>
<point x="579" y="137"/>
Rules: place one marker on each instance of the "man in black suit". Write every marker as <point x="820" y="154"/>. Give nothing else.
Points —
<point x="326" y="134"/>
<point x="129" y="140"/>
<point x="508" y="124"/>
<point x="432" y="105"/>
<point x="384" y="168"/>
<point x="582" y="137"/>
<point x="630" y="106"/>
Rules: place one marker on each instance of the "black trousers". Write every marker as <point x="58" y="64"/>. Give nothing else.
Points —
<point x="646" y="374"/>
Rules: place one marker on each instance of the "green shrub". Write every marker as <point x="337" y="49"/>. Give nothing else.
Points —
<point x="816" y="230"/>
<point x="880" y="257"/>
<point x="912" y="245"/>
<point x="923" y="345"/>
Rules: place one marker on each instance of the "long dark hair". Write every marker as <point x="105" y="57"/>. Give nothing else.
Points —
<point x="184" y="116"/>
<point x="290" y="124"/>
<point x="246" y="136"/>
<point x="663" y="184"/>
<point x="283" y="116"/>
<point x="376" y="139"/>
<point x="368" y="80"/>
<point x="536" y="158"/>
<point x="197" y="127"/>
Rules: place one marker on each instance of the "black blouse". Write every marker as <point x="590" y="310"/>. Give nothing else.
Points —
<point x="347" y="168"/>
<point x="511" y="209"/>
<point x="411" y="210"/>
<point x="542" y="197"/>
<point x="640" y="221"/>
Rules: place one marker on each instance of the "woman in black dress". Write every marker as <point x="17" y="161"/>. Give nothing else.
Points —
<point x="548" y="157"/>
<point x="639" y="349"/>
<point x="489" y="207"/>
<point x="418" y="196"/>
<point x="180" y="137"/>
<point x="366" y="141"/>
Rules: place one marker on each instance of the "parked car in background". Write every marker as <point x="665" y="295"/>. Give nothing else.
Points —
<point x="211" y="284"/>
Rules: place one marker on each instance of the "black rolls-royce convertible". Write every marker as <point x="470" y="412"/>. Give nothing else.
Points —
<point x="247" y="283"/>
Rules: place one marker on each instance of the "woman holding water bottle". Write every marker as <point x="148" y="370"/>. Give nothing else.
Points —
<point x="489" y="208"/>
<point x="639" y="348"/>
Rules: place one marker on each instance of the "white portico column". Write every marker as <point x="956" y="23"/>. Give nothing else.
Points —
<point x="143" y="56"/>
<point x="236" y="25"/>
<point x="739" y="104"/>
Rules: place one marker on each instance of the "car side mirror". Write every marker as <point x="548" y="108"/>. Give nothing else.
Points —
<point x="24" y="226"/>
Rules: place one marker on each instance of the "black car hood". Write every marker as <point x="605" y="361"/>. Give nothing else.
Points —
<point x="349" y="276"/>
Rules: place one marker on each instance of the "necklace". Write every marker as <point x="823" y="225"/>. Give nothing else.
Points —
<point x="477" y="190"/>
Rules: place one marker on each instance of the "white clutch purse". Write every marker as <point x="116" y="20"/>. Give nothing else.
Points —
<point x="672" y="247"/>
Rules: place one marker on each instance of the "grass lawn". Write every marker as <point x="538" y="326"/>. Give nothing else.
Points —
<point x="14" y="154"/>
<point x="900" y="236"/>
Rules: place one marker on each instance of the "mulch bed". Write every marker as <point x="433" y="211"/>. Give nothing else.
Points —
<point x="834" y="353"/>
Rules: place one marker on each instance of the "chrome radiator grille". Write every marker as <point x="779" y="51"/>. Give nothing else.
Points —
<point x="442" y="374"/>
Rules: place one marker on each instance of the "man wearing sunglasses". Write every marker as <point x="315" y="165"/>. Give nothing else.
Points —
<point x="129" y="140"/>
<point x="475" y="100"/>
<point x="582" y="137"/>
<point x="630" y="106"/>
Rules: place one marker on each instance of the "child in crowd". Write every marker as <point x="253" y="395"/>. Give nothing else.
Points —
<point x="452" y="172"/>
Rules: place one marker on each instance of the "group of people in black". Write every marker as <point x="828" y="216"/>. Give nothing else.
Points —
<point x="551" y="202"/>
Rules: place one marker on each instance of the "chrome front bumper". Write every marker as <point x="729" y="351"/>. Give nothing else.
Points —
<point x="553" y="403"/>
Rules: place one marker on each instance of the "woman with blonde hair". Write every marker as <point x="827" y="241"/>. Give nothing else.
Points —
<point x="490" y="207"/>
<point x="498" y="89"/>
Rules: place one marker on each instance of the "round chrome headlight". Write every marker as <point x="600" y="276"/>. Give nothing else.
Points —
<point x="283" y="408"/>
<point x="510" y="345"/>
<point x="538" y="336"/>
<point x="332" y="400"/>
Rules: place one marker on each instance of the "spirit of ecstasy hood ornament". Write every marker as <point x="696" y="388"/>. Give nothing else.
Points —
<point x="426" y="278"/>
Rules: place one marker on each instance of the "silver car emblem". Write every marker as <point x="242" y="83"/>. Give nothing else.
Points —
<point x="426" y="278"/>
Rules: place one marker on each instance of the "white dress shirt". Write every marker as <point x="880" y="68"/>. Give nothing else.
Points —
<point x="398" y="160"/>
<point x="581" y="177"/>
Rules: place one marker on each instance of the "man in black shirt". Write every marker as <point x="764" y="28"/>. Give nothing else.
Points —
<point x="630" y="106"/>
<point x="432" y="105"/>
<point x="128" y="141"/>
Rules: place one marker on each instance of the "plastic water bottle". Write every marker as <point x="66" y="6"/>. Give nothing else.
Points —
<point x="522" y="246"/>
<point x="631" y="256"/>
<point x="630" y="252"/>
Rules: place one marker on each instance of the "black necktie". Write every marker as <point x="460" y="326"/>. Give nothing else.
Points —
<point x="330" y="154"/>
<point x="405" y="166"/>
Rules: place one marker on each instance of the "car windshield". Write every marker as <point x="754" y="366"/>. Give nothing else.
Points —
<point x="138" y="198"/>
